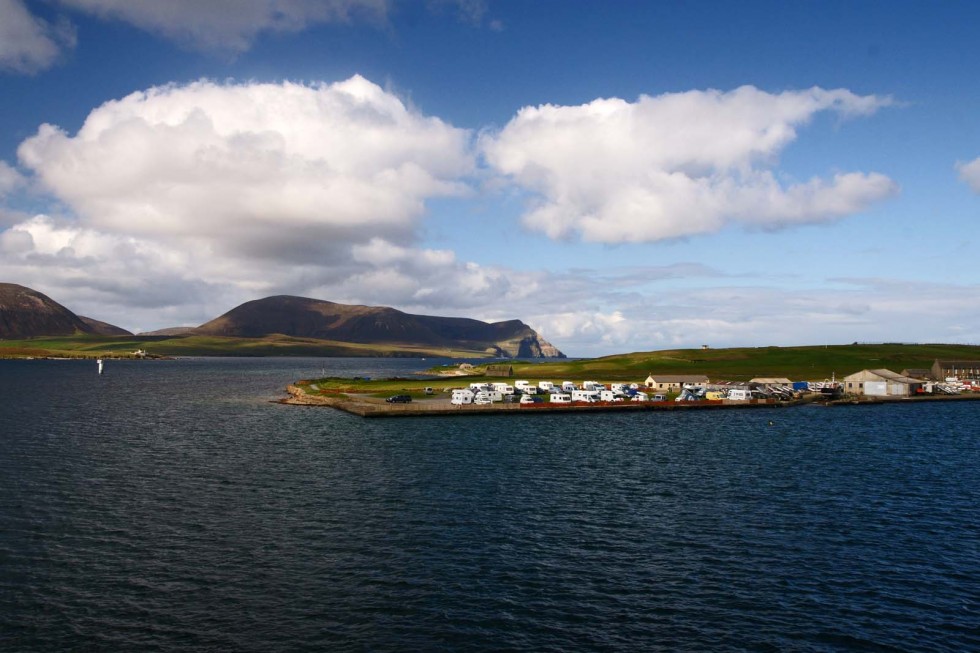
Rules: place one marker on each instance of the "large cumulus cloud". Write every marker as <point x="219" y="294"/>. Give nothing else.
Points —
<point x="674" y="165"/>
<point x="281" y="171"/>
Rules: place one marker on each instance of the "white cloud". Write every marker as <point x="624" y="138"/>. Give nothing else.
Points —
<point x="228" y="25"/>
<point x="29" y="44"/>
<point x="10" y="179"/>
<point x="970" y="173"/>
<point x="187" y="200"/>
<point x="287" y="172"/>
<point x="674" y="165"/>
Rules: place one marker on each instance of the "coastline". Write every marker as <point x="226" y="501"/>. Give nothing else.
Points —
<point x="373" y="407"/>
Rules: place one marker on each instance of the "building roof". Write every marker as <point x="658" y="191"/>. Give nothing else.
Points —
<point x="916" y="372"/>
<point x="771" y="380"/>
<point x="678" y="378"/>
<point x="887" y="375"/>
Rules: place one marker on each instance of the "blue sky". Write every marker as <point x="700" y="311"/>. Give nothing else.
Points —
<point x="622" y="176"/>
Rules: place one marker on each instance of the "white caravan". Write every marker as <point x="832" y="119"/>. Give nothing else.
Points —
<point x="588" y="396"/>
<point x="560" y="398"/>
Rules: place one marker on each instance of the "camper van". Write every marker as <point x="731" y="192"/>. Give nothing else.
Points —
<point x="560" y="398"/>
<point x="546" y="386"/>
<point x="739" y="394"/>
<point x="587" y="396"/>
<point x="461" y="397"/>
<point x="568" y="386"/>
<point x="609" y="395"/>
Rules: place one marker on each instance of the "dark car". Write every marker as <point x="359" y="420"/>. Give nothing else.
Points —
<point x="399" y="399"/>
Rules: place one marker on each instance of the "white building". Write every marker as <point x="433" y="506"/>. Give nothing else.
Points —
<point x="880" y="383"/>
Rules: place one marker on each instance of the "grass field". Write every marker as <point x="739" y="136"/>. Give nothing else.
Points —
<point x="815" y="363"/>
<point x="812" y="363"/>
<point x="86" y="346"/>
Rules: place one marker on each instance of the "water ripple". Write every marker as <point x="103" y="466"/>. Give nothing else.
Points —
<point x="170" y="506"/>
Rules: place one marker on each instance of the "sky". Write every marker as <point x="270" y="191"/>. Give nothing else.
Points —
<point x="621" y="176"/>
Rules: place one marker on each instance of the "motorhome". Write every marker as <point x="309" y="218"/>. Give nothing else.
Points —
<point x="520" y="385"/>
<point x="546" y="386"/>
<point x="560" y="398"/>
<point x="588" y="396"/>
<point x="461" y="397"/>
<point x="568" y="386"/>
<point x="609" y="395"/>
<point x="640" y="396"/>
<point x="492" y="395"/>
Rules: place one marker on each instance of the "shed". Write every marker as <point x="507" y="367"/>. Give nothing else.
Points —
<point x="880" y="383"/>
<point x="500" y="370"/>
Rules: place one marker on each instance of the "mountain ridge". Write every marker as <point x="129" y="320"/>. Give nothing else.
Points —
<point x="316" y="318"/>
<point x="26" y="313"/>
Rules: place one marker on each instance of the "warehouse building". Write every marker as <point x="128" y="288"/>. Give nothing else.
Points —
<point x="881" y="383"/>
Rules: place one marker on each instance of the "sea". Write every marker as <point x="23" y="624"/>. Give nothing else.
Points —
<point x="173" y="505"/>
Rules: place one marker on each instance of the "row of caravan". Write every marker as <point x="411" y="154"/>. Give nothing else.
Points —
<point x="488" y="393"/>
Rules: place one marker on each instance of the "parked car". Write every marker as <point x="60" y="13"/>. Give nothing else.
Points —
<point x="399" y="399"/>
<point x="527" y="399"/>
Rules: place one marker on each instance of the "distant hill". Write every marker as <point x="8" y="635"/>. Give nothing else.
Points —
<point x="104" y="328"/>
<point x="25" y="313"/>
<point x="169" y="331"/>
<point x="313" y="318"/>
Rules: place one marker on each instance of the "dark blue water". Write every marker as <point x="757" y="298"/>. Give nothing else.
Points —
<point x="170" y="506"/>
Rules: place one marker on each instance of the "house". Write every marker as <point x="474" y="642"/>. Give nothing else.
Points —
<point x="674" y="382"/>
<point x="962" y="370"/>
<point x="881" y="383"/>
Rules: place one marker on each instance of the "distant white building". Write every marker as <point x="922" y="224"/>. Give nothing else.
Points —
<point x="674" y="382"/>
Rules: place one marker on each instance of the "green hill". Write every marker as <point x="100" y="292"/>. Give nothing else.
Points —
<point x="812" y="363"/>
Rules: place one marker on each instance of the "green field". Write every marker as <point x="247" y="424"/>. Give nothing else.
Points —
<point x="87" y="346"/>
<point x="815" y="363"/>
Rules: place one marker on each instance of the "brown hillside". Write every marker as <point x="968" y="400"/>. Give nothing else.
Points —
<point x="25" y="313"/>
<point x="312" y="318"/>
